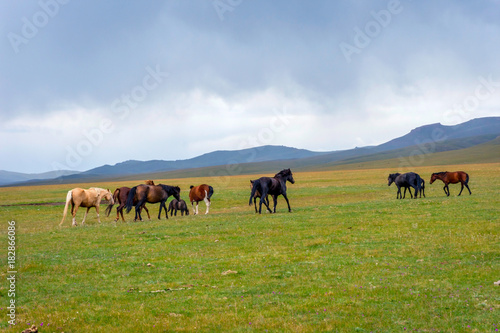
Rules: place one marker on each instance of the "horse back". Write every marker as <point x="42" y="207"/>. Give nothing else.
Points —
<point x="198" y="193"/>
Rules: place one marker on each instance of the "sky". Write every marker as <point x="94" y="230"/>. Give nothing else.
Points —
<point x="88" y="83"/>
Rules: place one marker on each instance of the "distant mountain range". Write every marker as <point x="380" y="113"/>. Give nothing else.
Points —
<point x="422" y="140"/>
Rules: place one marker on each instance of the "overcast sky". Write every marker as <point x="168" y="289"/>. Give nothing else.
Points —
<point x="87" y="83"/>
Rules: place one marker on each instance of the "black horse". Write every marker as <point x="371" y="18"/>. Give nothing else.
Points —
<point x="152" y="194"/>
<point x="422" y="189"/>
<point x="406" y="180"/>
<point x="273" y="186"/>
<point x="257" y="195"/>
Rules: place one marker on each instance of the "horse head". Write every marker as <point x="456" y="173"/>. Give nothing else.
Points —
<point x="109" y="197"/>
<point x="177" y="191"/>
<point x="286" y="174"/>
<point x="392" y="177"/>
<point x="434" y="177"/>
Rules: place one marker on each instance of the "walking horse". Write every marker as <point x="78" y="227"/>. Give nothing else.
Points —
<point x="79" y="197"/>
<point x="199" y="193"/>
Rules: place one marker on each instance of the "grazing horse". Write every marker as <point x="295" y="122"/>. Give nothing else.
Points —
<point x="453" y="178"/>
<point x="152" y="194"/>
<point x="274" y="186"/>
<point x="85" y="198"/>
<point x="257" y="195"/>
<point x="409" y="179"/>
<point x="198" y="193"/>
<point x="176" y="205"/>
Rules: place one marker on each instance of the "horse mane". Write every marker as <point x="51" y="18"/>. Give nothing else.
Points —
<point x="442" y="173"/>
<point x="284" y="172"/>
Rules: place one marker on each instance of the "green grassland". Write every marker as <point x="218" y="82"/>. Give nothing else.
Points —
<point x="349" y="258"/>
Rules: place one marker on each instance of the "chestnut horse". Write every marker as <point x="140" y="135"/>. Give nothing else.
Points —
<point x="453" y="178"/>
<point x="140" y="194"/>
<point x="120" y="195"/>
<point x="274" y="186"/>
<point x="198" y="193"/>
<point x="85" y="198"/>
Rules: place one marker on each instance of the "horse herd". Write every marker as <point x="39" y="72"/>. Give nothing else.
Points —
<point x="413" y="180"/>
<point x="261" y="188"/>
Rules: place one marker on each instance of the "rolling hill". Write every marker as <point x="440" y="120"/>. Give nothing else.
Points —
<point x="474" y="141"/>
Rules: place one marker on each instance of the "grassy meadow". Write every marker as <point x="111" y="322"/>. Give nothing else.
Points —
<point x="349" y="258"/>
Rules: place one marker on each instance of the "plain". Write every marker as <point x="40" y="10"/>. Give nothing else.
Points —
<point x="350" y="257"/>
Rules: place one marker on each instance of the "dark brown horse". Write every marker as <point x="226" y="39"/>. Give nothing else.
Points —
<point x="199" y="193"/>
<point x="257" y="195"/>
<point x="176" y="205"/>
<point x="152" y="194"/>
<point x="274" y="186"/>
<point x="120" y="195"/>
<point x="453" y="178"/>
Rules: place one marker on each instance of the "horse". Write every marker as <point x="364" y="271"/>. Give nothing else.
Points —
<point x="120" y="195"/>
<point x="85" y="198"/>
<point x="257" y="195"/>
<point x="422" y="189"/>
<point x="453" y="178"/>
<point x="409" y="179"/>
<point x="198" y="193"/>
<point x="176" y="205"/>
<point x="274" y="186"/>
<point x="152" y="194"/>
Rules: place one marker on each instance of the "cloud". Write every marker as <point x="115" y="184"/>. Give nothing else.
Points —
<point x="228" y="77"/>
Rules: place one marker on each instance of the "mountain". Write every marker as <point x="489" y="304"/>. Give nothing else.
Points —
<point x="424" y="140"/>
<point x="8" y="177"/>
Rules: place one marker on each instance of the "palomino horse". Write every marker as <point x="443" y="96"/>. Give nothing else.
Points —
<point x="198" y="193"/>
<point x="406" y="180"/>
<point x="257" y="195"/>
<point x="274" y="186"/>
<point x="152" y="194"/>
<point x="453" y="178"/>
<point x="120" y="195"/>
<point x="85" y="198"/>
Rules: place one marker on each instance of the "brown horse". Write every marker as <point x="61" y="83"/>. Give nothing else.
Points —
<point x="257" y="195"/>
<point x="140" y="194"/>
<point x="198" y="193"/>
<point x="453" y="178"/>
<point x="85" y="198"/>
<point x="120" y="195"/>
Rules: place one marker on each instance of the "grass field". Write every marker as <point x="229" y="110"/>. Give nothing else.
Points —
<point x="349" y="258"/>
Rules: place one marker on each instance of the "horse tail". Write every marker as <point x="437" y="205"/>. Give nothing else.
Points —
<point x="69" y="196"/>
<point x="252" y="194"/>
<point x="210" y="192"/>
<point x="115" y="199"/>
<point x="130" y="199"/>
<point x="466" y="178"/>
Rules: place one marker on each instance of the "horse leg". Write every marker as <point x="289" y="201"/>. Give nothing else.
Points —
<point x="196" y="211"/>
<point x="286" y="198"/>
<point x="398" y="195"/>
<point x="263" y="200"/>
<point x="255" y="203"/>
<point x="468" y="188"/>
<point x="85" y="216"/>
<point x="97" y="211"/>
<point x="207" y="202"/>
<point x="461" y="189"/>
<point x="73" y="213"/>
<point x="446" y="190"/>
